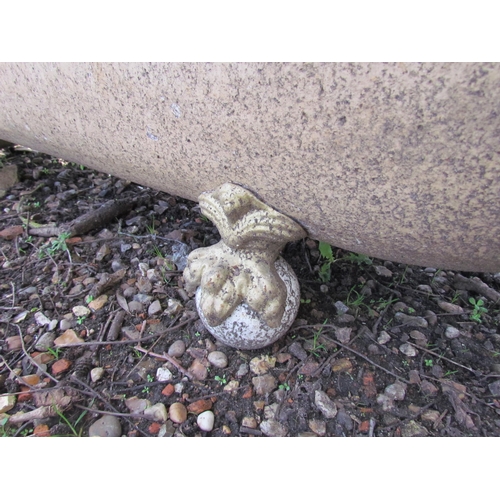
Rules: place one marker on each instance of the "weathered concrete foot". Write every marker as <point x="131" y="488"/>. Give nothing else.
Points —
<point x="247" y="296"/>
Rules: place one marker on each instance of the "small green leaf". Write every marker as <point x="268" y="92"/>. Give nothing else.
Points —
<point x="325" y="250"/>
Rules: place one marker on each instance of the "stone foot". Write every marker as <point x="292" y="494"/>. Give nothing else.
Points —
<point x="246" y="295"/>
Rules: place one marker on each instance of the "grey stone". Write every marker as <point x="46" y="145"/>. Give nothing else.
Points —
<point x="154" y="308"/>
<point x="408" y="350"/>
<point x="383" y="338"/>
<point x="324" y="404"/>
<point x="494" y="388"/>
<point x="452" y="332"/>
<point x="177" y="349"/>
<point x="396" y="391"/>
<point x="272" y="428"/>
<point x="407" y="320"/>
<point x="428" y="388"/>
<point x="297" y="350"/>
<point x="450" y="308"/>
<point x="107" y="426"/>
<point x="344" y="419"/>
<point x="163" y="374"/>
<point x="383" y="271"/>
<point x="264" y="384"/>
<point x="243" y="369"/>
<point x="413" y="429"/>
<point x="135" y="306"/>
<point x="218" y="359"/>
<point x="341" y="307"/>
<point x="45" y="341"/>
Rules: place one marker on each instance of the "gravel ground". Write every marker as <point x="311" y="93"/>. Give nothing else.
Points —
<point x="99" y="337"/>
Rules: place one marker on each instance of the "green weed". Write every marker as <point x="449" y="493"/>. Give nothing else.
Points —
<point x="222" y="380"/>
<point x="478" y="310"/>
<point x="429" y="363"/>
<point x="325" y="272"/>
<point x="55" y="246"/>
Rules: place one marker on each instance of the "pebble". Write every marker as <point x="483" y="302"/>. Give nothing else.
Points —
<point x="41" y="319"/>
<point x="298" y="351"/>
<point x="177" y="349"/>
<point x="430" y="416"/>
<point x="346" y="318"/>
<point x="383" y="338"/>
<point x="408" y="350"/>
<point x="107" y="426"/>
<point x="243" y="370"/>
<point x="396" y="391"/>
<point x="14" y="343"/>
<point x="143" y="298"/>
<point x="96" y="374"/>
<point x="416" y="321"/>
<point x="424" y="288"/>
<point x="174" y="307"/>
<point x="272" y="428"/>
<point x="323" y="288"/>
<point x="98" y="303"/>
<point x="324" y="404"/>
<point x="154" y="308"/>
<point x="135" y="306"/>
<point x="231" y="386"/>
<point x="163" y="374"/>
<point x="158" y="412"/>
<point x="262" y="364"/>
<point x="399" y="306"/>
<point x="45" y="341"/>
<point x="494" y="388"/>
<point x="206" y="421"/>
<point x="198" y="370"/>
<point x="431" y="318"/>
<point x="218" y="359"/>
<point x="81" y="311"/>
<point x="343" y="334"/>
<point x="419" y="338"/>
<point x="413" y="429"/>
<point x="68" y="337"/>
<point x="249" y="422"/>
<point x="177" y="413"/>
<point x="428" y="388"/>
<point x="383" y="271"/>
<point x="137" y="405"/>
<point x="341" y="307"/>
<point x="341" y="365"/>
<point x="317" y="426"/>
<point x="64" y="325"/>
<point x="199" y="406"/>
<point x="451" y="332"/>
<point x="450" y="308"/>
<point x="52" y="325"/>
<point x="7" y="402"/>
<point x="60" y="366"/>
<point x="264" y="384"/>
<point x="345" y="420"/>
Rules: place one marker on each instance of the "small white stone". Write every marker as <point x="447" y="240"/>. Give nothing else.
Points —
<point x="158" y="412"/>
<point x="154" y="308"/>
<point x="41" y="319"/>
<point x="383" y="338"/>
<point x="452" y="332"/>
<point x="163" y="374"/>
<point x="218" y="359"/>
<point x="97" y="373"/>
<point x="81" y="311"/>
<point x="408" y="350"/>
<point x="7" y="402"/>
<point x="206" y="421"/>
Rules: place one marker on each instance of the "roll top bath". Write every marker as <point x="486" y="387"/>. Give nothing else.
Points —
<point x="247" y="295"/>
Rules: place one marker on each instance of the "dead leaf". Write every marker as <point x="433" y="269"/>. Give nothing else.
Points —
<point x="456" y="395"/>
<point x="122" y="301"/>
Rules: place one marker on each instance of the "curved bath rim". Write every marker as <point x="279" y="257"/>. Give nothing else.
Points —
<point x="244" y="329"/>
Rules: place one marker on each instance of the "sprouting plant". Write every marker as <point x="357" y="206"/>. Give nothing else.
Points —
<point x="354" y="302"/>
<point x="358" y="258"/>
<point x="81" y="319"/>
<point x="450" y="372"/>
<point x="55" y="352"/>
<point x="305" y="301"/>
<point x="325" y="272"/>
<point x="56" y="245"/>
<point x="411" y="310"/>
<point x="284" y="387"/>
<point x="316" y="346"/>
<point x="151" y="228"/>
<point x="222" y="380"/>
<point x="197" y="334"/>
<point x="455" y="297"/>
<point x="478" y="310"/>
<point x="405" y="363"/>
<point x="68" y="423"/>
<point x="89" y="299"/>
<point x="149" y="379"/>
<point x="429" y="363"/>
